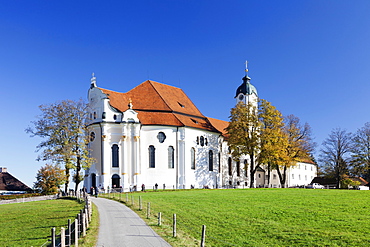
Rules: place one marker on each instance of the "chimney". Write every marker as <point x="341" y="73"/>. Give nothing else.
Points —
<point x="3" y="169"/>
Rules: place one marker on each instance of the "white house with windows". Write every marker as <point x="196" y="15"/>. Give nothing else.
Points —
<point x="154" y="134"/>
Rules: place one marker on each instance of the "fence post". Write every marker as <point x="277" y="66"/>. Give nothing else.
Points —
<point x="159" y="218"/>
<point x="69" y="239"/>
<point x="76" y="232"/>
<point x="174" y="225"/>
<point x="53" y="237"/>
<point x="148" y="211"/>
<point x="87" y="218"/>
<point x="203" y="241"/>
<point x="79" y="224"/>
<point x="83" y="223"/>
<point x="62" y="237"/>
<point x="140" y="204"/>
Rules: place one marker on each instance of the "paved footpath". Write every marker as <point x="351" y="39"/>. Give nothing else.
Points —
<point x="120" y="226"/>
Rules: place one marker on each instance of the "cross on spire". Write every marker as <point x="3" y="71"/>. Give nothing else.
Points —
<point x="246" y="68"/>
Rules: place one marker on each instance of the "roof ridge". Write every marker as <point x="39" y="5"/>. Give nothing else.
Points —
<point x="160" y="94"/>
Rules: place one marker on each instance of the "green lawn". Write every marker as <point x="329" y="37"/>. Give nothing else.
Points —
<point x="263" y="217"/>
<point x="29" y="223"/>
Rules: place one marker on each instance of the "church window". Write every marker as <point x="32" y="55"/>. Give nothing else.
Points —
<point x="197" y="140"/>
<point x="115" y="117"/>
<point x="193" y="158"/>
<point x="115" y="161"/>
<point x="94" y="115"/>
<point x="161" y="137"/>
<point x="151" y="156"/>
<point x="246" y="168"/>
<point x="274" y="176"/>
<point x="202" y="141"/>
<point x="171" y="157"/>
<point x="219" y="162"/>
<point x="230" y="162"/>
<point x="305" y="177"/>
<point x="292" y="176"/>
<point x="210" y="160"/>
<point x="206" y="141"/>
<point x="104" y="115"/>
<point x="238" y="168"/>
<point x="92" y="136"/>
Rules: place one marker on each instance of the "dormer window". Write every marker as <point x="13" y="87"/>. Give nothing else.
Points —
<point x="180" y="104"/>
<point x="195" y="121"/>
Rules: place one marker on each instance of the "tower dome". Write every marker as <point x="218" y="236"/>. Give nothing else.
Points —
<point x="246" y="88"/>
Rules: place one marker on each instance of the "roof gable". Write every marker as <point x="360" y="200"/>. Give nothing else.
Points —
<point x="10" y="183"/>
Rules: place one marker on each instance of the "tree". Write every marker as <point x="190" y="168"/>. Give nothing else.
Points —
<point x="62" y="125"/>
<point x="335" y="154"/>
<point x="299" y="146"/>
<point x="244" y="135"/>
<point x="361" y="152"/>
<point x="49" y="178"/>
<point x="273" y="139"/>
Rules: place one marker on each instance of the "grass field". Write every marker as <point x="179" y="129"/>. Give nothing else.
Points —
<point x="29" y="224"/>
<point x="262" y="217"/>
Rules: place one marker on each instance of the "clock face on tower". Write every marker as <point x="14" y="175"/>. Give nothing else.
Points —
<point x="241" y="97"/>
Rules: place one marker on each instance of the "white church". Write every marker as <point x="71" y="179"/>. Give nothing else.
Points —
<point x="155" y="135"/>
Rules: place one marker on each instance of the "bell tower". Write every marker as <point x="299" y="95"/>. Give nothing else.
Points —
<point x="246" y="92"/>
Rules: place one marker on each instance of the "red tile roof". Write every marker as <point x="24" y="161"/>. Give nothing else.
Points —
<point x="160" y="104"/>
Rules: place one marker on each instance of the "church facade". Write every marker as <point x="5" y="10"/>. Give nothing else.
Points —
<point x="154" y="135"/>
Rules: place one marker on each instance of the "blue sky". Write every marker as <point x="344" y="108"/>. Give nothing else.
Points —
<point x="308" y="58"/>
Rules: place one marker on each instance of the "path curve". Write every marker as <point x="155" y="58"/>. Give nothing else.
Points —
<point x="120" y="226"/>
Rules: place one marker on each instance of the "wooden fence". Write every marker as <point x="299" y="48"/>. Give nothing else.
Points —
<point x="75" y="229"/>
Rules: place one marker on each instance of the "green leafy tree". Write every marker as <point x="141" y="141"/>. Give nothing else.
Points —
<point x="335" y="154"/>
<point x="49" y="178"/>
<point x="62" y="126"/>
<point x="244" y="135"/>
<point x="361" y="152"/>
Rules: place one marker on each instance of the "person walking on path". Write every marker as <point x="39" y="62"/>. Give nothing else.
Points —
<point x="120" y="226"/>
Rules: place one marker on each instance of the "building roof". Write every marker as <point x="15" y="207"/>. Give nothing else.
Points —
<point x="9" y="183"/>
<point x="160" y="104"/>
<point x="246" y="88"/>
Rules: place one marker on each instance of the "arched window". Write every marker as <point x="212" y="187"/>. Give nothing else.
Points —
<point x="246" y="168"/>
<point x="171" y="157"/>
<point x="238" y="168"/>
<point x="115" y="181"/>
<point x="115" y="155"/>
<point x="192" y="158"/>
<point x="219" y="162"/>
<point x="151" y="156"/>
<point x="202" y="141"/>
<point x="210" y="160"/>
<point x="229" y="162"/>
